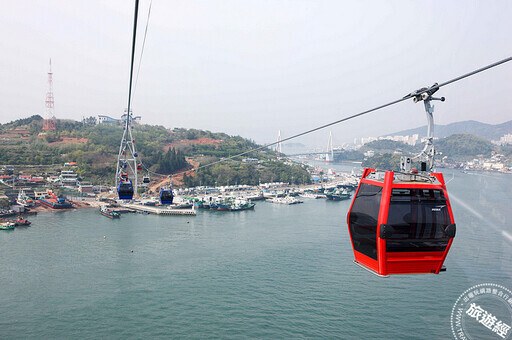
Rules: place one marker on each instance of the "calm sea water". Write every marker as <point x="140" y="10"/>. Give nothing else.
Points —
<point x="276" y="272"/>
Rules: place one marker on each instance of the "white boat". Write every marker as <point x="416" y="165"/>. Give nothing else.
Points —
<point x="24" y="200"/>
<point x="311" y="195"/>
<point x="285" y="200"/>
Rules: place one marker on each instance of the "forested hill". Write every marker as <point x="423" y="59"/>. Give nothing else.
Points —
<point x="95" y="148"/>
<point x="482" y="130"/>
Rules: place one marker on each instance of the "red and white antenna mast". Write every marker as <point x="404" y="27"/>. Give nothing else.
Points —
<point x="49" y="122"/>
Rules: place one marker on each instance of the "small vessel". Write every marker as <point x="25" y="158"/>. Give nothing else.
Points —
<point x="240" y="204"/>
<point x="223" y="205"/>
<point x="55" y="202"/>
<point x="7" y="225"/>
<point x="337" y="195"/>
<point x="182" y="203"/>
<point x="311" y="195"/>
<point x="105" y="211"/>
<point x="20" y="221"/>
<point x="24" y="200"/>
<point x="219" y="203"/>
<point x="288" y="200"/>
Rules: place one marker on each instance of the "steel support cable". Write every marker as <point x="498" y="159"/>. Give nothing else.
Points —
<point x="142" y="49"/>
<point x="409" y="96"/>
<point x="132" y="61"/>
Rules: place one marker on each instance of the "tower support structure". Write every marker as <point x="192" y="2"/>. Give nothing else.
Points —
<point x="127" y="157"/>
<point x="49" y="121"/>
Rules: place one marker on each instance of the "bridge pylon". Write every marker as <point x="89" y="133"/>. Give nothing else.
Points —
<point x="329" y="155"/>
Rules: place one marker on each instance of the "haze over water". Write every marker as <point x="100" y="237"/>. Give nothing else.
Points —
<point x="276" y="272"/>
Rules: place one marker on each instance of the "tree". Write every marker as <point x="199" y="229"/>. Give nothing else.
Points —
<point x="90" y="121"/>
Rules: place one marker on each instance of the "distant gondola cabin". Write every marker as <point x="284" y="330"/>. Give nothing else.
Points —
<point x="166" y="196"/>
<point x="125" y="190"/>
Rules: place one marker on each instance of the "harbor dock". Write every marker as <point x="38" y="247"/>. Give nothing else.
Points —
<point x="158" y="210"/>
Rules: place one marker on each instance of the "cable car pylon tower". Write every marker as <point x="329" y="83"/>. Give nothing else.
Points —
<point x="127" y="158"/>
<point x="127" y="168"/>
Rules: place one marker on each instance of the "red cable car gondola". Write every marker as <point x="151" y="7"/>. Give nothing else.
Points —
<point x="402" y="222"/>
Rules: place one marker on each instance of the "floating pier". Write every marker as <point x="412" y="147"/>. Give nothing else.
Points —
<point x="159" y="210"/>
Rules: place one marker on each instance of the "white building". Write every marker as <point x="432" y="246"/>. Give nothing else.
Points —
<point x="68" y="178"/>
<point x="506" y="139"/>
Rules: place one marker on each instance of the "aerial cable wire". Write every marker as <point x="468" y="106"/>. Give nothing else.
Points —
<point x="142" y="49"/>
<point x="409" y="96"/>
<point x="132" y="61"/>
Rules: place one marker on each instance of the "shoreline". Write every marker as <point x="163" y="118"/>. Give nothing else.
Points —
<point x="76" y="205"/>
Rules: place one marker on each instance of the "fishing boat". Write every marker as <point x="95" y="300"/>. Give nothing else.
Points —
<point x="223" y="205"/>
<point x="198" y="203"/>
<point x="7" y="225"/>
<point x="105" y="211"/>
<point x="182" y="203"/>
<point x="240" y="204"/>
<point x="337" y="195"/>
<point x="311" y="195"/>
<point x="287" y="200"/>
<point x="20" y="221"/>
<point x="24" y="200"/>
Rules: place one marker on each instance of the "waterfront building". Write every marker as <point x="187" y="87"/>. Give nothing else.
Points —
<point x="85" y="188"/>
<point x="102" y="119"/>
<point x="68" y="178"/>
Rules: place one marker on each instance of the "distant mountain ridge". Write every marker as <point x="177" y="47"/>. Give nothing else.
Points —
<point x="482" y="130"/>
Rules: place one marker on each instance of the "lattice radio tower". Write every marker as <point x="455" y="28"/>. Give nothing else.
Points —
<point x="49" y="122"/>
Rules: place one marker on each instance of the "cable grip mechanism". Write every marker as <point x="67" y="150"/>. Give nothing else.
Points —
<point x="426" y="156"/>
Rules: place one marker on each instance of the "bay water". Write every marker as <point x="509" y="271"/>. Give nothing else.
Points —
<point x="275" y="272"/>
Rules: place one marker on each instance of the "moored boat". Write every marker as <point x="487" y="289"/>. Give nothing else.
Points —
<point x="337" y="195"/>
<point x="24" y="200"/>
<point x="240" y="204"/>
<point x="7" y="225"/>
<point x="288" y="200"/>
<point x="311" y="195"/>
<point x="20" y="221"/>
<point x="105" y="211"/>
<point x="55" y="202"/>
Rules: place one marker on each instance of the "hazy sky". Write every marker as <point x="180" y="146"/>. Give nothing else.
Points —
<point x="255" y="67"/>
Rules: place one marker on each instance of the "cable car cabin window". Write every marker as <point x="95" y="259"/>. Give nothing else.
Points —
<point x="418" y="218"/>
<point x="363" y="219"/>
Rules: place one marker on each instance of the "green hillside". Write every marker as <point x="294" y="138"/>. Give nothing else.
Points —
<point x="95" y="148"/>
<point x="482" y="130"/>
<point x="464" y="146"/>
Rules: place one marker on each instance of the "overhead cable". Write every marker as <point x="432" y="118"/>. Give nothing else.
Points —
<point x="409" y="96"/>
<point x="142" y="49"/>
